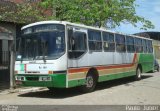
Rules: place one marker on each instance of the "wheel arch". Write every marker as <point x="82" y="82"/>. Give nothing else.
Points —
<point x="94" y="71"/>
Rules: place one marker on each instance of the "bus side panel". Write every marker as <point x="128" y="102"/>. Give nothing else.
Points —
<point x="76" y="76"/>
<point x="77" y="79"/>
<point x="80" y="67"/>
<point x="147" y="61"/>
<point x="78" y="82"/>
<point x="116" y="76"/>
<point x="120" y="70"/>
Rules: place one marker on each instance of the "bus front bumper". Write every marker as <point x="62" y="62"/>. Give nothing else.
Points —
<point x="51" y="80"/>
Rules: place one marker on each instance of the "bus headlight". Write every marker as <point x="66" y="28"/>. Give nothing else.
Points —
<point x="44" y="78"/>
<point x="20" y="78"/>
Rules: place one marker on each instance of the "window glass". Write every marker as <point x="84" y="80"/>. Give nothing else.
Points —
<point x="149" y="46"/>
<point x="95" y="42"/>
<point x="120" y="39"/>
<point x="42" y="46"/>
<point x="138" y="41"/>
<point x="130" y="44"/>
<point x="120" y="43"/>
<point x="144" y="42"/>
<point x="129" y="40"/>
<point x="138" y="45"/>
<point x="108" y="41"/>
<point x="77" y="45"/>
<point x="94" y="35"/>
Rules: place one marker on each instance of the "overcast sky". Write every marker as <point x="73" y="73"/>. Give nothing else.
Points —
<point x="149" y="9"/>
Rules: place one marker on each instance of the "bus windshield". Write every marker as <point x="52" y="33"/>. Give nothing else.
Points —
<point x="45" y="45"/>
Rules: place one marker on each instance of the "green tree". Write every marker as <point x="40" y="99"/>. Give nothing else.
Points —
<point x="102" y="13"/>
<point x="22" y="13"/>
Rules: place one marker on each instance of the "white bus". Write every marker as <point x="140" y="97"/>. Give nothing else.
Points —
<point x="59" y="54"/>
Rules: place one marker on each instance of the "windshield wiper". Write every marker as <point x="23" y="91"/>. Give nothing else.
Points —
<point x="44" y="50"/>
<point x="35" y="49"/>
<point x="20" y="49"/>
<point x="44" y="59"/>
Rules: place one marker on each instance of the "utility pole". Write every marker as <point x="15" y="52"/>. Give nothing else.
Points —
<point x="12" y="62"/>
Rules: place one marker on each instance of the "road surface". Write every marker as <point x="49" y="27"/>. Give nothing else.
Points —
<point x="118" y="92"/>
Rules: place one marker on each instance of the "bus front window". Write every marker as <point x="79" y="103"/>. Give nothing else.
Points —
<point x="42" y="45"/>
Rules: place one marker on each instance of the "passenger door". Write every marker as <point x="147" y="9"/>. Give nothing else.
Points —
<point x="77" y="47"/>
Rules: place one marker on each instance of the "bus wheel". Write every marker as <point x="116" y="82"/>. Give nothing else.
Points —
<point x="90" y="83"/>
<point x="51" y="89"/>
<point x="138" y="74"/>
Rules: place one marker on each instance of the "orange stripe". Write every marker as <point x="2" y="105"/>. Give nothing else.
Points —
<point x="134" y="59"/>
<point x="76" y="70"/>
<point x="116" y="66"/>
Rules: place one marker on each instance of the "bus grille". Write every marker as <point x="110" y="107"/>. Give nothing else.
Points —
<point x="32" y="78"/>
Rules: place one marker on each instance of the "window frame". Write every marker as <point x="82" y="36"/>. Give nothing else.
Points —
<point x="109" y="41"/>
<point x="138" y="45"/>
<point x="119" y="43"/>
<point x="73" y="54"/>
<point x="149" y="46"/>
<point x="145" y="48"/>
<point x="94" y="41"/>
<point x="128" y="43"/>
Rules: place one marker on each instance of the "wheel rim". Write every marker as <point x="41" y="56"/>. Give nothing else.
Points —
<point x="89" y="81"/>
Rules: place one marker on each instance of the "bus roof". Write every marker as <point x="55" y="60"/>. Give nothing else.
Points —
<point x="79" y="25"/>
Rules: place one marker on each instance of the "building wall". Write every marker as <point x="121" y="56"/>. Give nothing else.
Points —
<point x="10" y="26"/>
<point x="156" y="47"/>
<point x="4" y="54"/>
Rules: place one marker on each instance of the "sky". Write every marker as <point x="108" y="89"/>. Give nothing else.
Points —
<point x="150" y="10"/>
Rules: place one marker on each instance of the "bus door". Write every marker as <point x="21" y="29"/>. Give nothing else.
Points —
<point x="77" y="47"/>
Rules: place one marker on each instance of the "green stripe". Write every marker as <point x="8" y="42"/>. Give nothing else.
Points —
<point x="74" y="83"/>
<point x="107" y="77"/>
<point x="58" y="80"/>
<point x="115" y="76"/>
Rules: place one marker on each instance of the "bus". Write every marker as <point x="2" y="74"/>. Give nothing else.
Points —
<point x="60" y="54"/>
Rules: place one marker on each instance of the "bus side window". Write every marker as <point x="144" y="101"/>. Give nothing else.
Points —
<point x="138" y="45"/>
<point x="130" y="44"/>
<point x="120" y="43"/>
<point x="77" y="45"/>
<point x="108" y="42"/>
<point x="149" y="46"/>
<point x="94" y="41"/>
<point x="144" y="46"/>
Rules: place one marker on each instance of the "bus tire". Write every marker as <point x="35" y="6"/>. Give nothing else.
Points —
<point x="138" y="75"/>
<point x="158" y="69"/>
<point x="51" y="88"/>
<point x="90" y="84"/>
